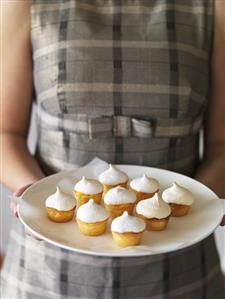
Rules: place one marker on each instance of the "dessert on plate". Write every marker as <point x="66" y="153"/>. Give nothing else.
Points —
<point x="127" y="230"/>
<point x="119" y="199"/>
<point x="92" y="218"/>
<point x="86" y="189"/>
<point x="113" y="177"/>
<point x="60" y="206"/>
<point x="155" y="212"/>
<point x="179" y="198"/>
<point x="144" y="187"/>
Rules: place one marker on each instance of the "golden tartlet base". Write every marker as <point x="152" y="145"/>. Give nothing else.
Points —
<point x="82" y="198"/>
<point x="60" y="216"/>
<point x="92" y="229"/>
<point x="106" y="188"/>
<point x="179" y="210"/>
<point x="127" y="239"/>
<point x="142" y="195"/>
<point x="155" y="224"/>
<point x="117" y="210"/>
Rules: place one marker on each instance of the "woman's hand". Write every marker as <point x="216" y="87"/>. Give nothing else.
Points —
<point x="17" y="193"/>
<point x="211" y="173"/>
<point x="223" y="221"/>
<point x="13" y="208"/>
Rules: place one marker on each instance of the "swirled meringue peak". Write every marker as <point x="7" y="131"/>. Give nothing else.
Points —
<point x="113" y="176"/>
<point x="178" y="195"/>
<point x="60" y="201"/>
<point x="145" y="184"/>
<point x="119" y="195"/>
<point x="153" y="207"/>
<point x="91" y="212"/>
<point x="127" y="223"/>
<point x="88" y="186"/>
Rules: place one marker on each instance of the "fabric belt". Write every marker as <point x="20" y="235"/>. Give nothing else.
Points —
<point x="124" y="126"/>
<point x="119" y="126"/>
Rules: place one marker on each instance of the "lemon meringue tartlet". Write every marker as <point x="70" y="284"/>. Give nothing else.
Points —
<point x="179" y="198"/>
<point x="92" y="218"/>
<point x="155" y="212"/>
<point x="119" y="199"/>
<point x="113" y="177"/>
<point x="86" y="189"/>
<point x="127" y="230"/>
<point x="144" y="187"/>
<point x="60" y="206"/>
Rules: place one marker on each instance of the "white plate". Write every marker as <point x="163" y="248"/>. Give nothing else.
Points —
<point x="205" y="215"/>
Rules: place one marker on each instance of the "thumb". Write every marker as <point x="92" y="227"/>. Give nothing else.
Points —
<point x="20" y="191"/>
<point x="17" y="193"/>
<point x="223" y="221"/>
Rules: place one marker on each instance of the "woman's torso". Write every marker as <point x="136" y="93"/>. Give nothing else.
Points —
<point x="126" y="81"/>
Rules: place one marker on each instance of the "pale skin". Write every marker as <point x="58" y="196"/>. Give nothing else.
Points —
<point x="20" y="168"/>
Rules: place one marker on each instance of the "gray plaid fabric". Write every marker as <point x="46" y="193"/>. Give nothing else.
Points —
<point x="126" y="81"/>
<point x="38" y="270"/>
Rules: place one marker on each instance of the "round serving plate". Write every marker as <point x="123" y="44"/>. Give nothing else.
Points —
<point x="203" y="218"/>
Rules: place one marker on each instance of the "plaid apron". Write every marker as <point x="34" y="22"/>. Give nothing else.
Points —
<point x="126" y="81"/>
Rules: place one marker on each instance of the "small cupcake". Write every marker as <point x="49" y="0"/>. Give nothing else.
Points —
<point x="60" y="206"/>
<point x="119" y="199"/>
<point x="179" y="198"/>
<point x="92" y="219"/>
<point x="127" y="230"/>
<point x="86" y="189"/>
<point x="144" y="187"/>
<point x="113" y="177"/>
<point x="155" y="212"/>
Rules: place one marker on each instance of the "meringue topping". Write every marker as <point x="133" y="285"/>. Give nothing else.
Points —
<point x="178" y="195"/>
<point x="113" y="176"/>
<point x="60" y="201"/>
<point x="119" y="195"/>
<point x="153" y="207"/>
<point x="91" y="212"/>
<point x="127" y="223"/>
<point x="88" y="186"/>
<point x="145" y="184"/>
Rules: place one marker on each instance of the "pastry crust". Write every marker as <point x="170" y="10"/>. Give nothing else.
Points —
<point x="155" y="224"/>
<point x="82" y="198"/>
<point x="92" y="229"/>
<point x="117" y="210"/>
<point x="60" y="216"/>
<point x="179" y="210"/>
<point x="127" y="239"/>
<point x="142" y="195"/>
<point x="106" y="188"/>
